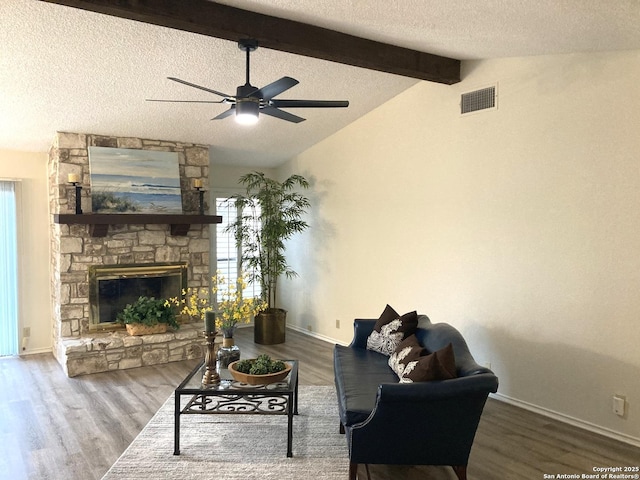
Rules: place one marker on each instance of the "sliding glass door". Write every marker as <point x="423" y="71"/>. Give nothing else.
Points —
<point x="8" y="269"/>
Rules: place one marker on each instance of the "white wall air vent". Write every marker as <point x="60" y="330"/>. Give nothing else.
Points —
<point x="478" y="100"/>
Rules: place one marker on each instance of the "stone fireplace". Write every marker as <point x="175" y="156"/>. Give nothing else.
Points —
<point x="80" y="343"/>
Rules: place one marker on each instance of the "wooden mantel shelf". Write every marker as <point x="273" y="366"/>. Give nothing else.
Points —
<point x="99" y="222"/>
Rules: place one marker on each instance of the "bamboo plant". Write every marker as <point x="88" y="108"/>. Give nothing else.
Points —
<point x="272" y="213"/>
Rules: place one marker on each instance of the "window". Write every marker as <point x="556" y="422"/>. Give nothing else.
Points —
<point x="228" y="256"/>
<point x="8" y="269"/>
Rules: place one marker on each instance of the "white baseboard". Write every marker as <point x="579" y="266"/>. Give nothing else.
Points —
<point x="34" y="351"/>
<point x="316" y="335"/>
<point x="561" y="417"/>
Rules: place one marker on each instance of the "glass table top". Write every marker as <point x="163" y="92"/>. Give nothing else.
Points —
<point x="193" y="382"/>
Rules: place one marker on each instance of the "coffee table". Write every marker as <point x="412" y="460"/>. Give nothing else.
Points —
<point x="230" y="396"/>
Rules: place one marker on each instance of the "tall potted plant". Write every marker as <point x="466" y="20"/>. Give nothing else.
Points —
<point x="272" y="214"/>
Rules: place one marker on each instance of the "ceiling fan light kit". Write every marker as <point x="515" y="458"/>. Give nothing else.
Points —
<point x="249" y="101"/>
<point x="247" y="112"/>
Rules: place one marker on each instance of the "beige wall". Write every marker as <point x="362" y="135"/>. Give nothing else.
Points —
<point x="225" y="177"/>
<point x="34" y="312"/>
<point x="519" y="226"/>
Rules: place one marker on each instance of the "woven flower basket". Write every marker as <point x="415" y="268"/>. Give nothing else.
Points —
<point x="139" y="329"/>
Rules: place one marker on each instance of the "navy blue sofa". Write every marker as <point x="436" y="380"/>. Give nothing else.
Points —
<point x="425" y="423"/>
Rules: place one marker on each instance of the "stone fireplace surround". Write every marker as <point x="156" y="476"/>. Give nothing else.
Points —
<point x="73" y="250"/>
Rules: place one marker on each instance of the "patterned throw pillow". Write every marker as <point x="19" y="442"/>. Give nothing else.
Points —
<point x="405" y="356"/>
<point x="390" y="330"/>
<point x="440" y="365"/>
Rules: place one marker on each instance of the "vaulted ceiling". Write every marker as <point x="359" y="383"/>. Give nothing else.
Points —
<point x="65" y="69"/>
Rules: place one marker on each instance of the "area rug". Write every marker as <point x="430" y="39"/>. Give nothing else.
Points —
<point x="241" y="447"/>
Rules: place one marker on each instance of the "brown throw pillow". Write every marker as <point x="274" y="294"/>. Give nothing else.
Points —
<point x="408" y="351"/>
<point x="390" y="330"/>
<point x="440" y="365"/>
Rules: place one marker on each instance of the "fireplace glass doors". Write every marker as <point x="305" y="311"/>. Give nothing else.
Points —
<point x="112" y="287"/>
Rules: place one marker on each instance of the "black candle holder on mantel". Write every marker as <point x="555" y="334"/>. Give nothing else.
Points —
<point x="78" y="197"/>
<point x="200" y="199"/>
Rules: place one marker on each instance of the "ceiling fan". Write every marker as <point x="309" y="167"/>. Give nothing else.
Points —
<point x="249" y="100"/>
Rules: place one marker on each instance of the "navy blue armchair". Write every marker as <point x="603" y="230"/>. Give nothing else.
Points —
<point x="423" y="423"/>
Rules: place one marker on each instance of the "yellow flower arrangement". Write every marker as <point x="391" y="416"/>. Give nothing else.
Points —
<point x="232" y="309"/>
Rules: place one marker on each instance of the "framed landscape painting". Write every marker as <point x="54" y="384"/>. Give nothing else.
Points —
<point x="125" y="180"/>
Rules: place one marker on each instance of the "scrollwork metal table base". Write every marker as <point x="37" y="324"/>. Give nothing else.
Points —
<point x="232" y="397"/>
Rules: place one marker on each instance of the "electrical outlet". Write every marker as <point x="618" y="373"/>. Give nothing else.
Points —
<point x="26" y="332"/>
<point x="619" y="404"/>
<point x="337" y="323"/>
<point x="310" y="328"/>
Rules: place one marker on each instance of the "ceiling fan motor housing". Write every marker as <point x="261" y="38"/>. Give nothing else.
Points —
<point x="247" y="106"/>
<point x="245" y="91"/>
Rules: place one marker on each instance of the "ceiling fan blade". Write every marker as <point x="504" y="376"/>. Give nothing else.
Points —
<point x="226" y="113"/>
<point x="185" y="101"/>
<point x="276" y="88"/>
<point x="199" y="87"/>
<point x="282" y="115"/>
<point x="308" y="103"/>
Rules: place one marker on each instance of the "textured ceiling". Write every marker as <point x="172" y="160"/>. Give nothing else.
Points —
<point x="63" y="69"/>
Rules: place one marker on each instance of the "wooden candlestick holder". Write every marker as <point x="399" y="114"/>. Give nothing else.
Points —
<point x="210" y="376"/>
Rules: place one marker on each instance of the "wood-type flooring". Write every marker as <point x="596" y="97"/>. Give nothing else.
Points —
<point x="54" y="427"/>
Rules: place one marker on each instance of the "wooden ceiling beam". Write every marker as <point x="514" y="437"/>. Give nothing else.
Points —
<point x="230" y="23"/>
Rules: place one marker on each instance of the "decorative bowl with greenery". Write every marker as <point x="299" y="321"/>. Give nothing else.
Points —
<point x="259" y="371"/>
<point x="148" y="312"/>
<point x="262" y="365"/>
